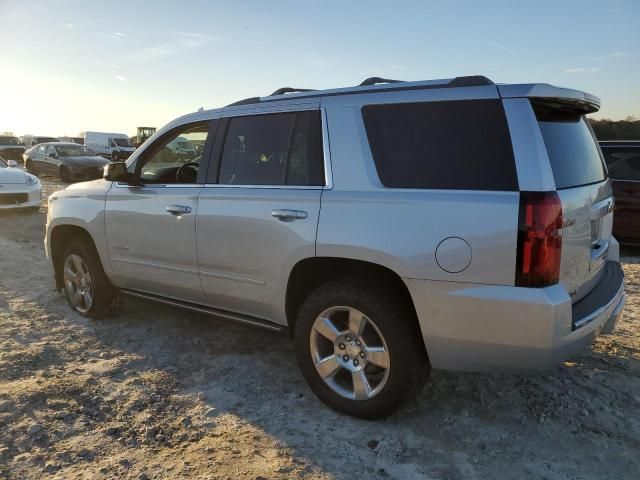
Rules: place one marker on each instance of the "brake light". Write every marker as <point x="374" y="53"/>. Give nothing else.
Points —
<point x="539" y="239"/>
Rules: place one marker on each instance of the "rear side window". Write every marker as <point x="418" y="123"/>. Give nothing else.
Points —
<point x="273" y="149"/>
<point x="460" y="145"/>
<point x="623" y="163"/>
<point x="571" y="147"/>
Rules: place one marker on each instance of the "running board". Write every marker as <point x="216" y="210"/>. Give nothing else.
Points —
<point x="236" y="317"/>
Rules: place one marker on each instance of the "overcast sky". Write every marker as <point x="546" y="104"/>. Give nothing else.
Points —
<point x="70" y="66"/>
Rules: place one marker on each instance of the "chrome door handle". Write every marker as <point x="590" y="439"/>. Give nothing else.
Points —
<point x="289" y="215"/>
<point x="178" y="209"/>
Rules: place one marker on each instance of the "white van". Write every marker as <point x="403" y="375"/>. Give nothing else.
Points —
<point x="115" y="146"/>
<point x="182" y="146"/>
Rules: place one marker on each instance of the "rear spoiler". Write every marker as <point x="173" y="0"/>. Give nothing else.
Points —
<point x="544" y="92"/>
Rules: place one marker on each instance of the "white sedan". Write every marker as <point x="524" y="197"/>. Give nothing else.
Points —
<point x="18" y="189"/>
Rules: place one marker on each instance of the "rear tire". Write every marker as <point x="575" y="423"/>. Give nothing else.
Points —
<point x="370" y="371"/>
<point x="30" y="168"/>
<point x="65" y="176"/>
<point x="86" y="286"/>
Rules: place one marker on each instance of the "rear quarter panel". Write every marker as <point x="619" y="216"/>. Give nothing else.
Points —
<point x="401" y="228"/>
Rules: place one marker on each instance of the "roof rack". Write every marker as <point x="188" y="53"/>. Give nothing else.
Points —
<point x="467" y="81"/>
<point x="377" y="80"/>
<point x="283" y="90"/>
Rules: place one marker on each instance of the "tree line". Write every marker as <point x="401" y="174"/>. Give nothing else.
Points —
<point x="627" y="129"/>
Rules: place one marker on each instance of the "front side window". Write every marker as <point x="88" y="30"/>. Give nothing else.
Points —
<point x="273" y="149"/>
<point x="51" y="150"/>
<point x="175" y="158"/>
<point x="41" y="149"/>
<point x="623" y="163"/>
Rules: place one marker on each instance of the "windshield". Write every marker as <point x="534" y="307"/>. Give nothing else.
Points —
<point x="46" y="139"/>
<point x="122" y="142"/>
<point x="74" y="151"/>
<point x="5" y="140"/>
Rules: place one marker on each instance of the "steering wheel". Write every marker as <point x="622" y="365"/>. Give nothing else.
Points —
<point x="188" y="173"/>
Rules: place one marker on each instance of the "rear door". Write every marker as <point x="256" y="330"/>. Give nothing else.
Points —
<point x="50" y="161"/>
<point x="37" y="157"/>
<point x="584" y="190"/>
<point x="623" y="163"/>
<point x="258" y="212"/>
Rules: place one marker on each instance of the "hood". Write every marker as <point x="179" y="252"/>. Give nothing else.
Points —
<point x="12" y="175"/>
<point x="85" y="161"/>
<point x="93" y="189"/>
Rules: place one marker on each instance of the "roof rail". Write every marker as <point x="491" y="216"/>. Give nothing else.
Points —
<point x="283" y="90"/>
<point x="246" y="101"/>
<point x="376" y="80"/>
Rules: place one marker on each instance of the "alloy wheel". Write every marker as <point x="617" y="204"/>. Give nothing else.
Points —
<point x="78" y="283"/>
<point x="349" y="353"/>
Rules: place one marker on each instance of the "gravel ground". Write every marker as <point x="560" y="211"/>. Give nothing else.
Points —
<point x="162" y="393"/>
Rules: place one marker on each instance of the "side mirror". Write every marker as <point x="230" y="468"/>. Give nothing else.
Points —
<point x="12" y="163"/>
<point x="117" y="172"/>
<point x="53" y="155"/>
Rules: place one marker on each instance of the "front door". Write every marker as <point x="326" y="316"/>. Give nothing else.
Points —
<point x="151" y="226"/>
<point x="258" y="216"/>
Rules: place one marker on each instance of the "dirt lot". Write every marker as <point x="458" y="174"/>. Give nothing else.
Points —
<point x="160" y="393"/>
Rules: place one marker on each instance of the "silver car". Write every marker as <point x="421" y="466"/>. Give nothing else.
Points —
<point x="390" y="228"/>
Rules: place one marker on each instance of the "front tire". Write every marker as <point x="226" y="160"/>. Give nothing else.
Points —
<point x="86" y="286"/>
<point x="359" y="348"/>
<point x="65" y="176"/>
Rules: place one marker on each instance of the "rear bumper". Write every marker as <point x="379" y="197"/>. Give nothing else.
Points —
<point x="472" y="327"/>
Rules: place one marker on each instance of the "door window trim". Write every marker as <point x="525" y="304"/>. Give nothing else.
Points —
<point x="222" y="133"/>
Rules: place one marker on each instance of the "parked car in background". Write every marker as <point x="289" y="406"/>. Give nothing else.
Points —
<point x="18" y="189"/>
<point x="623" y="162"/>
<point x="11" y="148"/>
<point x="31" y="140"/>
<point x="114" y="146"/>
<point x="456" y="224"/>
<point x="69" y="161"/>
<point x="78" y="140"/>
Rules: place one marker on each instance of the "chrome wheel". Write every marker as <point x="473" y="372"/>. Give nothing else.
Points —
<point x="349" y="353"/>
<point x="78" y="284"/>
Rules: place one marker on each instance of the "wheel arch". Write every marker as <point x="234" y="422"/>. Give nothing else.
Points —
<point x="309" y="273"/>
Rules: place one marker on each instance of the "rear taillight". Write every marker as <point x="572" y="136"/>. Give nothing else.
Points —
<point x="539" y="239"/>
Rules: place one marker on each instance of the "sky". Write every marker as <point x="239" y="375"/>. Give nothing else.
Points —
<point x="69" y="66"/>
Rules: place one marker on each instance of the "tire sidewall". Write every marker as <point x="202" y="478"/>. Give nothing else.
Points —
<point x="103" y="292"/>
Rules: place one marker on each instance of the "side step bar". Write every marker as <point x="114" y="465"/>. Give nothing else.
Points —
<point x="236" y="317"/>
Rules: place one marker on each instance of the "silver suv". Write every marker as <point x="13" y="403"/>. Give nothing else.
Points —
<point x="390" y="228"/>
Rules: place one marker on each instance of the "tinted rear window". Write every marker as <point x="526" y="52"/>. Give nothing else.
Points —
<point x="461" y="145"/>
<point x="571" y="146"/>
